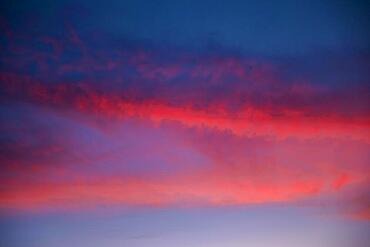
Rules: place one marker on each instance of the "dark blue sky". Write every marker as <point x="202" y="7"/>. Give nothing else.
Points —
<point x="266" y="27"/>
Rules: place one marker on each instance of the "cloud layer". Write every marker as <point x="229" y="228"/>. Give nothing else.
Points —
<point x="85" y="125"/>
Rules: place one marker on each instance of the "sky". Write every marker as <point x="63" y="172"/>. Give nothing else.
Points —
<point x="184" y="123"/>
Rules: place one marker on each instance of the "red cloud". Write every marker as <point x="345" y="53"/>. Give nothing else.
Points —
<point x="197" y="187"/>
<point x="233" y="170"/>
<point x="286" y="139"/>
<point x="249" y="120"/>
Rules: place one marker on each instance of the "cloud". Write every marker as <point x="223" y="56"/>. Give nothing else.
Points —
<point x="84" y="125"/>
<point x="249" y="120"/>
<point x="77" y="164"/>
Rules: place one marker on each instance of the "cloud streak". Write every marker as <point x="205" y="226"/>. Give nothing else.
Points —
<point x="84" y="125"/>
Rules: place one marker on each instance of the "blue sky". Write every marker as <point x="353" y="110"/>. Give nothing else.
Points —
<point x="256" y="225"/>
<point x="265" y="27"/>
